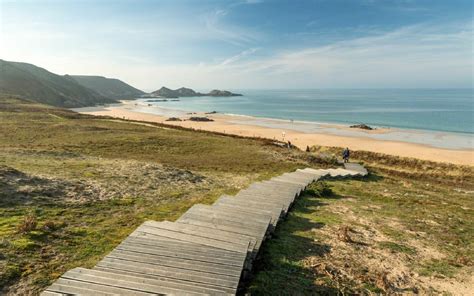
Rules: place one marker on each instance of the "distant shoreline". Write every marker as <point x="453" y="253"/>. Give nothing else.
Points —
<point x="300" y="133"/>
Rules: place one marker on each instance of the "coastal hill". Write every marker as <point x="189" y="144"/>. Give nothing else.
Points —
<point x="187" y="92"/>
<point x="40" y="85"/>
<point x="108" y="87"/>
<point x="70" y="91"/>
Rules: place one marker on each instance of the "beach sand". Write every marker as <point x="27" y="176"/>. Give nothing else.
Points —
<point x="238" y="126"/>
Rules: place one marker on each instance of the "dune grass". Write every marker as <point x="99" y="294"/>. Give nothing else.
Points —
<point x="88" y="182"/>
<point x="73" y="186"/>
<point x="383" y="234"/>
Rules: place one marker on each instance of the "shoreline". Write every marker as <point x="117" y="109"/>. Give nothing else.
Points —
<point x="249" y="126"/>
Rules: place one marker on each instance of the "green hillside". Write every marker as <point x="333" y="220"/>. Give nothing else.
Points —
<point x="40" y="85"/>
<point x="108" y="87"/>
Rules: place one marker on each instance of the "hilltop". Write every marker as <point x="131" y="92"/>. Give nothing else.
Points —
<point x="108" y="87"/>
<point x="187" y="92"/>
<point x="40" y="85"/>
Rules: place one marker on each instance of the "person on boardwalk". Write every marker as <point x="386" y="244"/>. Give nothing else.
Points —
<point x="345" y="154"/>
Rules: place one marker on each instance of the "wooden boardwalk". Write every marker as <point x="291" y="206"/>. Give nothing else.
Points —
<point x="205" y="252"/>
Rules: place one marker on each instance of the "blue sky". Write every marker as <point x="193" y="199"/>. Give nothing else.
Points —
<point x="247" y="44"/>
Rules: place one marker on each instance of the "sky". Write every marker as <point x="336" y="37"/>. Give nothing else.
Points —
<point x="247" y="44"/>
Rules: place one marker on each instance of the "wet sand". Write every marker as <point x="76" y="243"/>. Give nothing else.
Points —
<point x="242" y="126"/>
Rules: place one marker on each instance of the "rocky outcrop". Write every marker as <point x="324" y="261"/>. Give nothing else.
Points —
<point x="187" y="92"/>
<point x="362" y="126"/>
<point x="222" y="93"/>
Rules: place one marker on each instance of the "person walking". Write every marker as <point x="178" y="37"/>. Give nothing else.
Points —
<point x="345" y="154"/>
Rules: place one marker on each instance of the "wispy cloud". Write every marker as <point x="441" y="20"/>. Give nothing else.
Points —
<point x="415" y="56"/>
<point x="222" y="31"/>
<point x="239" y="56"/>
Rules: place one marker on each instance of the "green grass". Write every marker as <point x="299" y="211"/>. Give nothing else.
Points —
<point x="420" y="223"/>
<point x="91" y="181"/>
<point x="119" y="174"/>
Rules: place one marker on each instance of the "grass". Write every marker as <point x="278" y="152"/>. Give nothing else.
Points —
<point x="73" y="186"/>
<point x="414" y="226"/>
<point x="87" y="182"/>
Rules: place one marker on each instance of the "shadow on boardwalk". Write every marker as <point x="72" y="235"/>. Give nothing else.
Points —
<point x="278" y="270"/>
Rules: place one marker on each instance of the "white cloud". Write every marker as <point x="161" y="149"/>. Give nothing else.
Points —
<point x="239" y="56"/>
<point x="416" y="56"/>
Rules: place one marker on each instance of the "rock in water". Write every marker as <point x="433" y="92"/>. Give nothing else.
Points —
<point x="362" y="126"/>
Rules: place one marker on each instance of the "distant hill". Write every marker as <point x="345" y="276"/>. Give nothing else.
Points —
<point x="40" y="85"/>
<point x="187" y="92"/>
<point x="108" y="87"/>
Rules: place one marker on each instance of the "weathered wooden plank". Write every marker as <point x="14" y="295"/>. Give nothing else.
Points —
<point x="284" y="200"/>
<point x="197" y="239"/>
<point x="134" y="283"/>
<point x="258" y="224"/>
<point x="168" y="272"/>
<point x="356" y="167"/>
<point x="290" y="179"/>
<point x="48" y="293"/>
<point x="177" y="262"/>
<point x="248" y="211"/>
<point x="259" y="219"/>
<point x="231" y="226"/>
<point x="275" y="209"/>
<point x="163" y="243"/>
<point x="74" y="287"/>
<point x="204" y="232"/>
<point x="196" y="256"/>
<point x="319" y="174"/>
<point x="211" y="289"/>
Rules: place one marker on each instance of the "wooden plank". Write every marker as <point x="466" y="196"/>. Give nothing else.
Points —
<point x="279" y="187"/>
<point x="230" y="226"/>
<point x="248" y="210"/>
<point x="128" y="283"/>
<point x="204" y="232"/>
<point x="48" y="293"/>
<point x="164" y="243"/>
<point x="356" y="167"/>
<point x="197" y="239"/>
<point x="260" y="224"/>
<point x="231" y="215"/>
<point x="275" y="209"/>
<point x="73" y="287"/>
<point x="168" y="272"/>
<point x="257" y="231"/>
<point x="284" y="200"/>
<point x="148" y="250"/>
<point x="315" y="173"/>
<point x="210" y="267"/>
<point x="293" y="180"/>
<point x="214" y="290"/>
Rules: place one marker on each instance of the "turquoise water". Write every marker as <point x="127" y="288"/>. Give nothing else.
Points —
<point x="450" y="110"/>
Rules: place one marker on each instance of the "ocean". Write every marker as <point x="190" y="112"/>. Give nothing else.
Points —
<point x="450" y="111"/>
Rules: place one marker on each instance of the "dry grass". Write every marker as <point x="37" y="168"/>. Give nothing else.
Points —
<point x="28" y="224"/>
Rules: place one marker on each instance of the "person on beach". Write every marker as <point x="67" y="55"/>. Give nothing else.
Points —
<point x="307" y="149"/>
<point x="345" y="154"/>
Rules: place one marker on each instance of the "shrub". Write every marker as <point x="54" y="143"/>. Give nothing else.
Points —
<point x="320" y="189"/>
<point x="28" y="224"/>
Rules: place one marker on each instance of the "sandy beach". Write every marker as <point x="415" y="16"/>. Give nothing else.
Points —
<point x="238" y="125"/>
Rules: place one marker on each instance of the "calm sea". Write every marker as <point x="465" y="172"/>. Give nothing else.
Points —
<point x="450" y="110"/>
